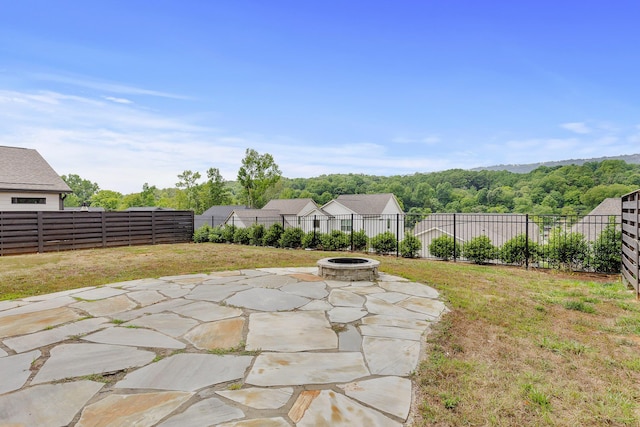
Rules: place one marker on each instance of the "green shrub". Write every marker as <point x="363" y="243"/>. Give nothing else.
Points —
<point x="567" y="250"/>
<point x="479" y="250"/>
<point x="410" y="246"/>
<point x="201" y="235"/>
<point x="215" y="235"/>
<point x="292" y="238"/>
<point x="360" y="240"/>
<point x="312" y="240"/>
<point x="256" y="234"/>
<point x="241" y="236"/>
<point x="443" y="247"/>
<point x="334" y="241"/>
<point x="514" y="251"/>
<point x="273" y="234"/>
<point x="384" y="243"/>
<point x="607" y="250"/>
<point x="228" y="231"/>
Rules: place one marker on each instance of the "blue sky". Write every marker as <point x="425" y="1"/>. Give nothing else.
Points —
<point x="128" y="92"/>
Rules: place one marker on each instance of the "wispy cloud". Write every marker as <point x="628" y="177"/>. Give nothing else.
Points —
<point x="577" y="127"/>
<point x="427" y="140"/>
<point x="118" y="100"/>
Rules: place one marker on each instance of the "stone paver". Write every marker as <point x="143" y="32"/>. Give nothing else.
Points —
<point x="264" y="347"/>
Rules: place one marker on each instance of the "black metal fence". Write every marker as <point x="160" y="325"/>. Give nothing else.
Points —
<point x="544" y="241"/>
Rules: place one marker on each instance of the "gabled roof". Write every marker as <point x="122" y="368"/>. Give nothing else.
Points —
<point x="365" y="203"/>
<point x="610" y="206"/>
<point x="289" y="206"/>
<point x="597" y="220"/>
<point x="256" y="213"/>
<point x="24" y="169"/>
<point x="222" y="211"/>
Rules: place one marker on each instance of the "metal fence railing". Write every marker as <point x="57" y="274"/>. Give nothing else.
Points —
<point x="543" y="241"/>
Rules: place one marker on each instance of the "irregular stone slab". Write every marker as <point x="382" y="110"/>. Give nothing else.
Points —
<point x="333" y="409"/>
<point x="253" y="273"/>
<point x="277" y="369"/>
<point x="307" y="277"/>
<point x="134" y="337"/>
<point x="430" y="307"/>
<point x="144" y="409"/>
<point x="61" y="333"/>
<point x="388" y="394"/>
<point x="138" y="284"/>
<point x="337" y="283"/>
<point x="107" y="306"/>
<point x="389" y="356"/>
<point x="15" y="370"/>
<point x="226" y="273"/>
<point x="384" y="277"/>
<point x="160" y="307"/>
<point x="378" y="306"/>
<point x="207" y="311"/>
<point x="342" y="298"/>
<point x="345" y="314"/>
<point x="76" y="360"/>
<point x="3" y="353"/>
<point x="390" y="297"/>
<point x="38" y="306"/>
<point x="224" y="279"/>
<point x="99" y="293"/>
<point x="410" y="288"/>
<point x="349" y="339"/>
<point x="186" y="279"/>
<point x="46" y="297"/>
<point x="260" y="398"/>
<point x="173" y="290"/>
<point x="317" y="305"/>
<point x="145" y="298"/>
<point x="314" y="290"/>
<point x="204" y="413"/>
<point x="399" y="322"/>
<point x="301" y="404"/>
<point x="8" y="304"/>
<point x="290" y="331"/>
<point x="221" y="334"/>
<point x="168" y="323"/>
<point x="46" y="405"/>
<point x="187" y="372"/>
<point x="367" y="290"/>
<point x="390" y="332"/>
<point x="266" y="300"/>
<point x="215" y="293"/>
<point x="26" y="323"/>
<point x="258" y="422"/>
<point x="271" y="281"/>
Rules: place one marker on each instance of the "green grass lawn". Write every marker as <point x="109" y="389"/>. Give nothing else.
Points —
<point x="518" y="347"/>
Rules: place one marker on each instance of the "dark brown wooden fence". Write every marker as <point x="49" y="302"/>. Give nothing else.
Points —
<point x="630" y="236"/>
<point x="29" y="232"/>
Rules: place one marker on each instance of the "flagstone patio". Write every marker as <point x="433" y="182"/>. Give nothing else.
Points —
<point x="262" y="347"/>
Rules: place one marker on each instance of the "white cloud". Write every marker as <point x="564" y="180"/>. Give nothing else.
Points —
<point x="118" y="100"/>
<point x="427" y="140"/>
<point x="576" y="127"/>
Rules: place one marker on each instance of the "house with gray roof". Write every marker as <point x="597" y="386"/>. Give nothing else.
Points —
<point x="215" y="215"/>
<point x="592" y="224"/>
<point x="244" y="218"/>
<point x="499" y="228"/>
<point x="28" y="182"/>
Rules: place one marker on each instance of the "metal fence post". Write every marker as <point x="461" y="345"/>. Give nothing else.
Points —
<point x="397" y="235"/>
<point x="526" y="241"/>
<point x="351" y="232"/>
<point x="455" y="240"/>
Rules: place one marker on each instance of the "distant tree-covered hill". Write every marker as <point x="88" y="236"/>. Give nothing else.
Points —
<point x="630" y="158"/>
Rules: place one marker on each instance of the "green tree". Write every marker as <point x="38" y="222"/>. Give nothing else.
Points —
<point x="83" y="190"/>
<point x="107" y="199"/>
<point x="188" y="181"/>
<point x="257" y="174"/>
<point x="148" y="195"/>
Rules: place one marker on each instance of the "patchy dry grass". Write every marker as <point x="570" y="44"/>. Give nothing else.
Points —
<point x="519" y="347"/>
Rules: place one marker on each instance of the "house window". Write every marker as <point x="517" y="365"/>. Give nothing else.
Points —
<point x="345" y="225"/>
<point x="28" y="200"/>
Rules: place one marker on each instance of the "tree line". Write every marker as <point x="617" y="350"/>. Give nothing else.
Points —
<point x="563" y="190"/>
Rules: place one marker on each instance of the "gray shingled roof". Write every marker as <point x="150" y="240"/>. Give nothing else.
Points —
<point x="597" y="220"/>
<point x="288" y="206"/>
<point x="365" y="203"/>
<point x="222" y="210"/>
<point x="24" y="169"/>
<point x="257" y="213"/>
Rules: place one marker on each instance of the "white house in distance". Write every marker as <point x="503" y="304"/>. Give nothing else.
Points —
<point x="373" y="213"/>
<point x="294" y="211"/>
<point x="28" y="182"/>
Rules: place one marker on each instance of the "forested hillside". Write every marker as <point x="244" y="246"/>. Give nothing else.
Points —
<point x="571" y="189"/>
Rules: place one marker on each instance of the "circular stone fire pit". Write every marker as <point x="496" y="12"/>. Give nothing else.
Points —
<point x="348" y="269"/>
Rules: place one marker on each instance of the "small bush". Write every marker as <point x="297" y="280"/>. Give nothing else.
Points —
<point x="241" y="236"/>
<point x="292" y="238"/>
<point x="514" y="251"/>
<point x="607" y="250"/>
<point x="273" y="234"/>
<point x="384" y="243"/>
<point x="256" y="234"/>
<point x="443" y="247"/>
<point x="360" y="240"/>
<point x="228" y="231"/>
<point x="567" y="250"/>
<point x="312" y="240"/>
<point x="215" y="235"/>
<point x="410" y="246"/>
<point x="479" y="250"/>
<point x="201" y="235"/>
<point x="334" y="241"/>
